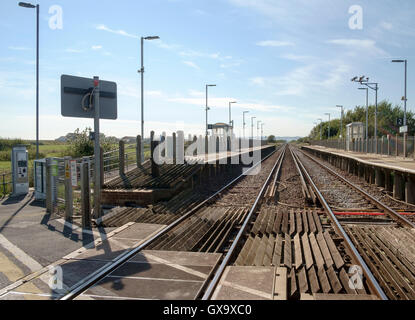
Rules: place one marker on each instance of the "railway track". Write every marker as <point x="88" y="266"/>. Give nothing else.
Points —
<point x="210" y="227"/>
<point x="383" y="243"/>
<point x="284" y="223"/>
<point x="309" y="247"/>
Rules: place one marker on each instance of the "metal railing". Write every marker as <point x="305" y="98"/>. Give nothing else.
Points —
<point x="387" y="145"/>
<point x="6" y="182"/>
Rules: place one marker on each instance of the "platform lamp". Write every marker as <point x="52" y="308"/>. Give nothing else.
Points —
<point x="32" y="6"/>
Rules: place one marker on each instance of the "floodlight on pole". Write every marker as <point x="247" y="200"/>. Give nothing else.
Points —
<point x="367" y="115"/>
<point x="328" y="114"/>
<point x="257" y="127"/>
<point x="321" y="127"/>
<point x="32" y="6"/>
<point x="252" y="128"/>
<point x="230" y="113"/>
<point x="26" y="5"/>
<point x="404" y="98"/>
<point x="341" y="120"/>
<point x="142" y="89"/>
<point x="207" y="108"/>
<point x="363" y="80"/>
<point x="244" y="124"/>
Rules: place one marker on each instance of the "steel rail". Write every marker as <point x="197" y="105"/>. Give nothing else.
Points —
<point x="218" y="274"/>
<point x="372" y="282"/>
<point x="389" y="211"/>
<point x="95" y="277"/>
<point x="274" y="181"/>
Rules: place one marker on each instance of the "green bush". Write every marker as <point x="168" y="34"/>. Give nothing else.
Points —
<point x="82" y="146"/>
<point x="6" y="146"/>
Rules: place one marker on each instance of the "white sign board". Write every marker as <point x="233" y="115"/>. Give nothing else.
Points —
<point x="74" y="177"/>
<point x="403" y="129"/>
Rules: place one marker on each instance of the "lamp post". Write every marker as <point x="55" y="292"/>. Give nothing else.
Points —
<point x="244" y="124"/>
<point x="207" y="108"/>
<point x="341" y="120"/>
<point x="367" y="116"/>
<point x="230" y="113"/>
<point x="321" y="128"/>
<point x="252" y="128"/>
<point x="257" y="127"/>
<point x="31" y="6"/>
<point x="404" y="98"/>
<point x="328" y="114"/>
<point x="141" y="71"/>
<point x="374" y="86"/>
<point x="262" y="130"/>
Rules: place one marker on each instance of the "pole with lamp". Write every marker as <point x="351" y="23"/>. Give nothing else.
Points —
<point x="141" y="71"/>
<point x="32" y="6"/>
<point x="207" y="108"/>
<point x="404" y="98"/>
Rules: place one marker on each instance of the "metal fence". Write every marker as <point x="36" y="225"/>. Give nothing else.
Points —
<point x="6" y="182"/>
<point x="386" y="145"/>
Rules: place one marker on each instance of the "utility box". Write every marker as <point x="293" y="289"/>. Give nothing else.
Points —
<point x="354" y="131"/>
<point x="20" y="170"/>
<point x="40" y="179"/>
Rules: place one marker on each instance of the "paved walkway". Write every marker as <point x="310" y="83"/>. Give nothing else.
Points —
<point x="31" y="239"/>
<point x="388" y="162"/>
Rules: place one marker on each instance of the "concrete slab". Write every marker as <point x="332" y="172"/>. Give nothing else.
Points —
<point x="73" y="271"/>
<point x="161" y="271"/>
<point x="165" y="275"/>
<point x="246" y="283"/>
<point x="145" y="289"/>
<point x="108" y="250"/>
<point x="139" y="231"/>
<point x="25" y="296"/>
<point x="176" y="257"/>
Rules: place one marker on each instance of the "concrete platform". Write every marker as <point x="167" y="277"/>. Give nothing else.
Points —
<point x="222" y="156"/>
<point x="246" y="283"/>
<point x="81" y="263"/>
<point x="31" y="239"/>
<point x="406" y="165"/>
<point x="152" y="274"/>
<point x="396" y="175"/>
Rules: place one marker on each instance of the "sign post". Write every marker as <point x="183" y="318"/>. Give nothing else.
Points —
<point x="97" y="170"/>
<point x="90" y="98"/>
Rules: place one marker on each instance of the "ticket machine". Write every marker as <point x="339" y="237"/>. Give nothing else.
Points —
<point x="20" y="168"/>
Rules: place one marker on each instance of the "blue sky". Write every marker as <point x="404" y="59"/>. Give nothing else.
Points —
<point x="286" y="62"/>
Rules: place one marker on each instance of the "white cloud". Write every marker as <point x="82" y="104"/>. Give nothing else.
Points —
<point x="119" y="32"/>
<point x="274" y="43"/>
<point x="386" y="25"/>
<point x="258" y="81"/>
<point x="196" y="93"/>
<point x="96" y="47"/>
<point x="154" y="93"/>
<point x="199" y="100"/>
<point x="191" y="64"/>
<point x="70" y="50"/>
<point x="230" y="65"/>
<point x="194" y="53"/>
<point x="369" y="46"/>
<point x="308" y="79"/>
<point x="18" y="48"/>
